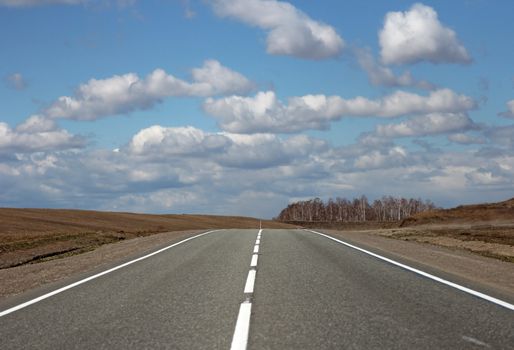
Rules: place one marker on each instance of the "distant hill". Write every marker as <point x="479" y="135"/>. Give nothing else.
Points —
<point x="475" y="213"/>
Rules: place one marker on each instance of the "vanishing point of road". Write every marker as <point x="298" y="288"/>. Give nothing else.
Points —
<point x="258" y="289"/>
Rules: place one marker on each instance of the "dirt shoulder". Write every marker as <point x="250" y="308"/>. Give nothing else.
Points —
<point x="16" y="280"/>
<point x="495" y="240"/>
<point x="490" y="275"/>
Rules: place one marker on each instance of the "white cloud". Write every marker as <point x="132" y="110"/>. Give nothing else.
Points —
<point x="465" y="139"/>
<point x="163" y="141"/>
<point x="233" y="150"/>
<point x="36" y="134"/>
<point x="376" y="159"/>
<point x="502" y="135"/>
<point x="265" y="113"/>
<point x="430" y="124"/>
<point x="509" y="113"/>
<point x="417" y="35"/>
<point x="380" y="75"/>
<point x="173" y="170"/>
<point x="485" y="177"/>
<point x="16" y="81"/>
<point x="290" y="31"/>
<point x="126" y="93"/>
<point x="214" y="79"/>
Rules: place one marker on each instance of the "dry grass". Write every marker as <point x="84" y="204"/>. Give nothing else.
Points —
<point x="487" y="240"/>
<point x="477" y="213"/>
<point x="486" y="229"/>
<point x="34" y="235"/>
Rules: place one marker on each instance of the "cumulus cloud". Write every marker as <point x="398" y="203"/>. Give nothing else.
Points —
<point x="164" y="169"/>
<point x="484" y="177"/>
<point x="466" y="139"/>
<point x="290" y="31"/>
<point x="127" y="93"/>
<point x="509" y="113"/>
<point x="379" y="159"/>
<point x="380" y="75"/>
<point x="37" y="134"/>
<point x="430" y="124"/>
<point x="265" y="113"/>
<point x="16" y="81"/>
<point x="501" y="135"/>
<point x="233" y="150"/>
<point x="163" y="141"/>
<point x="417" y="35"/>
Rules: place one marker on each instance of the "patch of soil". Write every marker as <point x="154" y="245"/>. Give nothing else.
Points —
<point x="487" y="240"/>
<point x="16" y="280"/>
<point x="35" y="235"/>
<point x="465" y="214"/>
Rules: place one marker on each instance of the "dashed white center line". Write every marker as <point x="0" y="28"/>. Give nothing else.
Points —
<point x="240" y="338"/>
<point x="250" y="282"/>
<point x="253" y="263"/>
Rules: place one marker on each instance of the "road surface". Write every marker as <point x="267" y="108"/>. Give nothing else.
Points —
<point x="297" y="290"/>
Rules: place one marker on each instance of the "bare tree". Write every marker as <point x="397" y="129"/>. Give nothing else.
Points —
<point x="387" y="208"/>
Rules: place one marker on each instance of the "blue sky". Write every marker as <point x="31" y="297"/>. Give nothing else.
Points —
<point x="242" y="106"/>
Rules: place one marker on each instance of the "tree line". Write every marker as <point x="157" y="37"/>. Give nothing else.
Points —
<point x="387" y="208"/>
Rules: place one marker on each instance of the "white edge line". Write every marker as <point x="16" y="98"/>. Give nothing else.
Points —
<point x="253" y="263"/>
<point x="60" y="290"/>
<point x="256" y="249"/>
<point x="250" y="282"/>
<point x="240" y="338"/>
<point x="425" y="274"/>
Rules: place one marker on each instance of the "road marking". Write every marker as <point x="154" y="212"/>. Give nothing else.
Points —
<point x="475" y="341"/>
<point x="60" y="290"/>
<point x="424" y="274"/>
<point x="250" y="282"/>
<point x="254" y="260"/>
<point x="240" y="338"/>
<point x="260" y="231"/>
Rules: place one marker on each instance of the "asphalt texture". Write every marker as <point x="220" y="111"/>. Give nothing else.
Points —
<point x="310" y="293"/>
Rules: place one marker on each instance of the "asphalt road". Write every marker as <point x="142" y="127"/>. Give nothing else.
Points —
<point x="309" y="293"/>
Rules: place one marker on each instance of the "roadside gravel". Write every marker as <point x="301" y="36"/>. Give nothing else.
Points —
<point x="16" y="280"/>
<point x="492" y="275"/>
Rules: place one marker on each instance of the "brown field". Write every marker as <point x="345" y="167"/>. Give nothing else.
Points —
<point x="487" y="213"/>
<point x="35" y="235"/>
